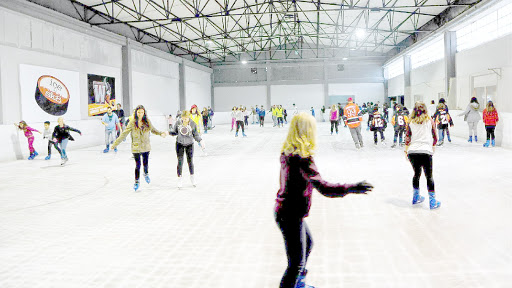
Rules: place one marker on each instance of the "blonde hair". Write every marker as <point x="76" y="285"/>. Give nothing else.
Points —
<point x="419" y="115"/>
<point x="490" y="106"/>
<point x="333" y="107"/>
<point x="301" y="139"/>
<point x="441" y="106"/>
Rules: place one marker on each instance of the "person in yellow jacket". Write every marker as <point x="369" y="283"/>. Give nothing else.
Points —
<point x="273" y="110"/>
<point x="279" y="116"/>
<point x="352" y="118"/>
<point x="196" y="117"/>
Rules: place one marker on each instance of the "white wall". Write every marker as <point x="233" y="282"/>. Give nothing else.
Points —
<point x="427" y="82"/>
<point x="304" y="96"/>
<point x="155" y="83"/>
<point x="198" y="88"/>
<point x="364" y="92"/>
<point x="227" y="97"/>
<point x="396" y="86"/>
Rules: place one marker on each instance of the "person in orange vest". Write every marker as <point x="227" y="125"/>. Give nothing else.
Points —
<point x="352" y="118"/>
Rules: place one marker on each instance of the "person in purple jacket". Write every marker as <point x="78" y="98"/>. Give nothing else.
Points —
<point x="298" y="176"/>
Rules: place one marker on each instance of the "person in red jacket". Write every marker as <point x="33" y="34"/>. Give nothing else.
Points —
<point x="490" y="120"/>
<point x="298" y="176"/>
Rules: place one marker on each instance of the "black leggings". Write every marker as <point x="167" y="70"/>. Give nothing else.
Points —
<point x="262" y="120"/>
<point x="490" y="132"/>
<point x="180" y="150"/>
<point x="298" y="244"/>
<point x="238" y="124"/>
<point x="50" y="143"/>
<point x="145" y="158"/>
<point x="334" y="123"/>
<point x="418" y="161"/>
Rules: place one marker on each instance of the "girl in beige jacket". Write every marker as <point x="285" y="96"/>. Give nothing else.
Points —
<point x="139" y="127"/>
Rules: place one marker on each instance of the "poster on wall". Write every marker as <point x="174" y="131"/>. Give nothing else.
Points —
<point x="101" y="94"/>
<point x="48" y="93"/>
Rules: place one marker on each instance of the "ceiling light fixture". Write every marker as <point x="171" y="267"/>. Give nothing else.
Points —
<point x="345" y="59"/>
<point x="244" y="62"/>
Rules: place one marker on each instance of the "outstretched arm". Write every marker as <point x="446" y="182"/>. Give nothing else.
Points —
<point x="310" y="172"/>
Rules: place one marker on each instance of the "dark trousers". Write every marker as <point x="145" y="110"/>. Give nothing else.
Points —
<point x="419" y="161"/>
<point x="189" y="150"/>
<point x="145" y="159"/>
<point x="246" y="120"/>
<point x="298" y="244"/>
<point x="238" y="124"/>
<point x="381" y="131"/>
<point x="50" y="144"/>
<point x="490" y="132"/>
<point x="398" y="133"/>
<point x="262" y="120"/>
<point x="280" y="121"/>
<point x="205" y="123"/>
<point x="334" y="124"/>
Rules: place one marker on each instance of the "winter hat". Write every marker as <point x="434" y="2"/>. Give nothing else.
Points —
<point x="350" y="99"/>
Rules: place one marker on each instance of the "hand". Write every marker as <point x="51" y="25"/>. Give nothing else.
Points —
<point x="434" y="149"/>
<point x="362" y="187"/>
<point x="163" y="134"/>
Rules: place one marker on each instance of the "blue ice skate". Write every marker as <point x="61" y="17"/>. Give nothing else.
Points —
<point x="476" y="138"/>
<point x="301" y="281"/>
<point x="493" y="143"/>
<point x="434" y="204"/>
<point x="48" y="157"/>
<point x="136" y="185"/>
<point x="115" y="150"/>
<point x="244" y="134"/>
<point x="31" y="157"/>
<point x="470" y="140"/>
<point x="146" y="176"/>
<point x="35" y="153"/>
<point x="486" y="144"/>
<point x="417" y="198"/>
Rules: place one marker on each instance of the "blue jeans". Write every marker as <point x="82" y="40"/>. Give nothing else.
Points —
<point x="63" y="145"/>
<point x="110" y="135"/>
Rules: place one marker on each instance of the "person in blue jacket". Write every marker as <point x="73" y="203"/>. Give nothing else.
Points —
<point x="261" y="115"/>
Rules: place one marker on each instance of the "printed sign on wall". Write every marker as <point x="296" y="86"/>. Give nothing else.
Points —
<point x="48" y="93"/>
<point x="102" y="94"/>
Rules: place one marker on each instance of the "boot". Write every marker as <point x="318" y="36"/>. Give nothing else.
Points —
<point x="106" y="149"/>
<point x="146" y="177"/>
<point x="136" y="185"/>
<point x="486" y="144"/>
<point x="180" y="182"/>
<point x="301" y="280"/>
<point x="493" y="143"/>
<point x="417" y="198"/>
<point x="476" y="138"/>
<point x="470" y="140"/>
<point x="434" y="204"/>
<point x="193" y="180"/>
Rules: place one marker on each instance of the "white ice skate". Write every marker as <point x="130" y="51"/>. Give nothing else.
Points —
<point x="193" y="180"/>
<point x="180" y="182"/>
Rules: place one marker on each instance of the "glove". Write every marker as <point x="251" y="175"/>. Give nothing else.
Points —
<point x="362" y="187"/>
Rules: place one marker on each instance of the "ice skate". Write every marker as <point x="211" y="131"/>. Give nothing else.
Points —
<point x="486" y="144"/>
<point x="301" y="281"/>
<point x="35" y="153"/>
<point x="440" y="143"/>
<point x="136" y="185"/>
<point x="180" y="182"/>
<point x="434" y="204"/>
<point x="193" y="180"/>
<point x="417" y="198"/>
<point x="383" y="143"/>
<point x="244" y="134"/>
<point x="394" y="145"/>
<point x="48" y="157"/>
<point x="146" y="177"/>
<point x="115" y="150"/>
<point x="476" y="138"/>
<point x="31" y="157"/>
<point x="470" y="140"/>
<point x="236" y="134"/>
<point x="493" y="143"/>
<point x="62" y="161"/>
<point x="106" y="150"/>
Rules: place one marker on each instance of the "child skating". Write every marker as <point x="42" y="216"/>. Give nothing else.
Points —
<point x="442" y="120"/>
<point x="298" y="176"/>
<point x="399" y="122"/>
<point x="27" y="131"/>
<point x="47" y="134"/>
<point x="186" y="132"/>
<point x="139" y="128"/>
<point x="491" y="118"/>
<point x="420" y="141"/>
<point x="378" y="125"/>
<point x="62" y="136"/>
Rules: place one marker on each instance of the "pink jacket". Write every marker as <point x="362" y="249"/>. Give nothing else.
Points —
<point x="334" y="115"/>
<point x="28" y="131"/>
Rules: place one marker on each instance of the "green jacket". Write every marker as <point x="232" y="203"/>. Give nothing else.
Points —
<point x="140" y="137"/>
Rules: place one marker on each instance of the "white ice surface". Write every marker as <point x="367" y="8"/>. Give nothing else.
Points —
<point x="82" y="225"/>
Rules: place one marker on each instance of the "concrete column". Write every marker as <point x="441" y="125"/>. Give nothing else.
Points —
<point x="408" y="101"/>
<point x="213" y="92"/>
<point x="326" y="85"/>
<point x="450" y="50"/>
<point x="269" y="90"/>
<point x="126" y="52"/>
<point x="182" y="87"/>
<point x="386" y="92"/>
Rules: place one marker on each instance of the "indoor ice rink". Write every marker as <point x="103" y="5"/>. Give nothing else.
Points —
<point x="75" y="219"/>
